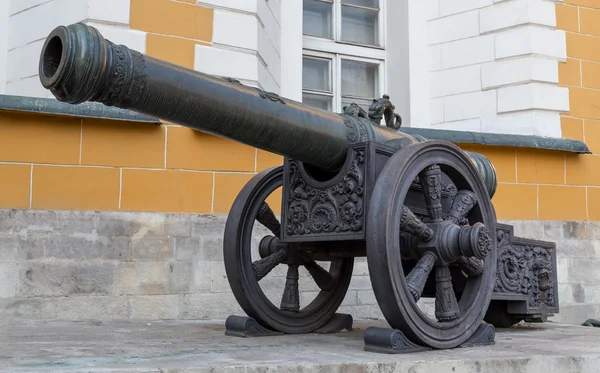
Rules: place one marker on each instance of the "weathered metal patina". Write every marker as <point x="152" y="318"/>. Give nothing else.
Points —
<point x="419" y="210"/>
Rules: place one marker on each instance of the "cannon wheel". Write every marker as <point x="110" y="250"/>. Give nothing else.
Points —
<point x="388" y="220"/>
<point x="244" y="275"/>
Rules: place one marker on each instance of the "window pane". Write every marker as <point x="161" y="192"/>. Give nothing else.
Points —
<point x="359" y="79"/>
<point x="346" y="101"/>
<point x="317" y="101"/>
<point x="316" y="74"/>
<point x="317" y="18"/>
<point x="360" y="25"/>
<point x="367" y="3"/>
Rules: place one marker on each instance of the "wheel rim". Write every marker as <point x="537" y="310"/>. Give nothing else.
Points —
<point x="242" y="275"/>
<point x="394" y="289"/>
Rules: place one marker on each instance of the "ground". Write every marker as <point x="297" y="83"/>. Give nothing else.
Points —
<point x="201" y="346"/>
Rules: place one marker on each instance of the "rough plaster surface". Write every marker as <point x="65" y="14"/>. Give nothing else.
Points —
<point x="72" y="265"/>
<point x="202" y="347"/>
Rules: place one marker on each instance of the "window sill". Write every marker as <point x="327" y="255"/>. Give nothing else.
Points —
<point x="502" y="140"/>
<point x="85" y="110"/>
<point x="100" y="111"/>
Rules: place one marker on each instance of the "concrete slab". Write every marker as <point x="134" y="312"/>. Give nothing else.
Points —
<point x="202" y="347"/>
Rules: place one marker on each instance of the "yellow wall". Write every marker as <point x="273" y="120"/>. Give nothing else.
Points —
<point x="53" y="162"/>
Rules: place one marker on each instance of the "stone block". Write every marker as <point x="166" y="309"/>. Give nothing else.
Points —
<point x="153" y="307"/>
<point x="16" y="248"/>
<point x="206" y="225"/>
<point x="444" y="29"/>
<point x="361" y="283"/>
<point x="186" y="248"/>
<point x="59" y="221"/>
<point x="181" y="276"/>
<point x="218" y="278"/>
<point x="575" y="249"/>
<point x="366" y="297"/>
<point x="580" y="230"/>
<point x="202" y="280"/>
<point x="576" y="314"/>
<point x="211" y="248"/>
<point x="208" y="306"/>
<point x="584" y="271"/>
<point x="143" y="278"/>
<point x="65" y="278"/>
<point x="82" y="247"/>
<point x="9" y="274"/>
<point x="178" y="225"/>
<point x="20" y="309"/>
<point x="151" y="249"/>
<point x="469" y="51"/>
<point x="554" y="230"/>
<point x="87" y="308"/>
<point x="6" y="221"/>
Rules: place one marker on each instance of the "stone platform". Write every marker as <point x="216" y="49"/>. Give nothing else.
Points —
<point x="201" y="346"/>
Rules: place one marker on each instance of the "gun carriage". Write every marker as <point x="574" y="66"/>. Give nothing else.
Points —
<point x="419" y="210"/>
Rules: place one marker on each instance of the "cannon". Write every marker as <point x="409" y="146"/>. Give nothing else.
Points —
<point x="419" y="210"/>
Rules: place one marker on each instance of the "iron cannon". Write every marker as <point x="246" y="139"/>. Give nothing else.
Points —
<point x="419" y="210"/>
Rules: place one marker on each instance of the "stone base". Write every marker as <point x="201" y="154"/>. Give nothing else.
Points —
<point x="79" y="265"/>
<point x="202" y="347"/>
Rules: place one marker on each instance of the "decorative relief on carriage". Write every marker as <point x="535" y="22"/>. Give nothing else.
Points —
<point x="337" y="208"/>
<point x="525" y="268"/>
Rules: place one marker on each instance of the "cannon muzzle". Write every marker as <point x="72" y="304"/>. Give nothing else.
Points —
<point x="77" y="65"/>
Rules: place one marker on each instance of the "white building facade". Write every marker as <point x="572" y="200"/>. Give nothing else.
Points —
<point x="471" y="65"/>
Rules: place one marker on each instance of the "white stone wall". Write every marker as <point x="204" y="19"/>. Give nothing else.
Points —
<point x="3" y="43"/>
<point x="246" y="42"/>
<point x="494" y="66"/>
<point x="30" y="21"/>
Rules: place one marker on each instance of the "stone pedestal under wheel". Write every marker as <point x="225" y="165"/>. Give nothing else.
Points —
<point x="450" y="251"/>
<point x="246" y="274"/>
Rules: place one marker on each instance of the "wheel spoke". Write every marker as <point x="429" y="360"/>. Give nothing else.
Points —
<point x="431" y="182"/>
<point x="472" y="267"/>
<point x="417" y="278"/>
<point x="322" y="277"/>
<point x="290" y="300"/>
<point x="413" y="225"/>
<point x="266" y="217"/>
<point x="263" y="266"/>
<point x="464" y="201"/>
<point x="446" y="306"/>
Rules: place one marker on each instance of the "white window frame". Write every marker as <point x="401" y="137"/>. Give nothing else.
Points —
<point x="336" y="49"/>
<point x="336" y="75"/>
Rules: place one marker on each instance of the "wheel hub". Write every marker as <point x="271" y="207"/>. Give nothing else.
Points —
<point x="449" y="242"/>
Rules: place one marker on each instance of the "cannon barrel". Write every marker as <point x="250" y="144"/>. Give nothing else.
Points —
<point x="77" y="64"/>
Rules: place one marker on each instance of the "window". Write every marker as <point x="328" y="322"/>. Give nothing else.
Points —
<point x="343" y="58"/>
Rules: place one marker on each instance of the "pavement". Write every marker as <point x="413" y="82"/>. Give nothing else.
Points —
<point x="202" y="347"/>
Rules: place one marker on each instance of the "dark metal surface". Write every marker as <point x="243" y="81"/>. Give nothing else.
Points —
<point x="245" y="273"/>
<point x="77" y="65"/>
<point x="526" y="285"/>
<point x="399" y="235"/>
<point x="419" y="209"/>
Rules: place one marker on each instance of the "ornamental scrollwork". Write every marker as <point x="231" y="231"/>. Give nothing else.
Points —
<point x="337" y="208"/>
<point x="525" y="269"/>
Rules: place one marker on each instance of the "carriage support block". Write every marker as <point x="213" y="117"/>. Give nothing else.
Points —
<point x="389" y="341"/>
<point x="244" y="326"/>
<point x="485" y="335"/>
